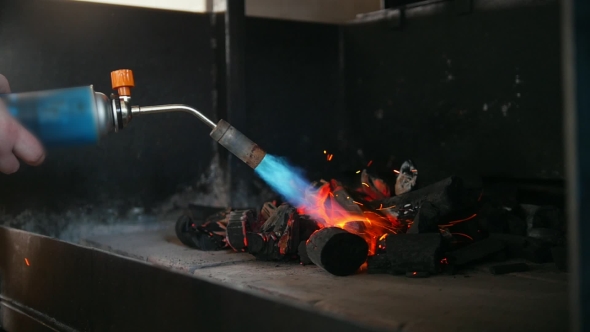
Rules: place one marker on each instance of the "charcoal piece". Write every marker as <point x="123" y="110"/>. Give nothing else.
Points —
<point x="500" y="256"/>
<point x="417" y="274"/>
<point x="267" y="210"/>
<point x="356" y="227"/>
<point x="446" y="195"/>
<point x="378" y="263"/>
<point x="337" y="251"/>
<point x="280" y="238"/>
<point x="277" y="222"/>
<point x="414" y="252"/>
<point x="406" y="179"/>
<point x="372" y="187"/>
<point x="257" y="243"/>
<point x="203" y="233"/>
<point x="344" y="199"/>
<point x="238" y="224"/>
<point x="473" y="185"/>
<point x="508" y="268"/>
<point x="542" y="217"/>
<point x="551" y="236"/>
<point x="559" y="255"/>
<point x="307" y="226"/>
<point x="492" y="219"/>
<point x="427" y="220"/>
<point x="514" y="244"/>
<point x="302" y="252"/>
<point x="537" y="251"/>
<point x="516" y="225"/>
<point x="475" y="252"/>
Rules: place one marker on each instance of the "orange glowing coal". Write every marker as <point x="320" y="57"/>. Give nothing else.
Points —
<point x="330" y="206"/>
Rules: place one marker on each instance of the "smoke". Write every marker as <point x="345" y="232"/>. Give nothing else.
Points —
<point x="288" y="181"/>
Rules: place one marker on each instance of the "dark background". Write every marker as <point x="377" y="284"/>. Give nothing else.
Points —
<point x="363" y="92"/>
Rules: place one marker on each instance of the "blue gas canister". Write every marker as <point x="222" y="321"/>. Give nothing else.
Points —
<point x="63" y="117"/>
<point x="73" y="116"/>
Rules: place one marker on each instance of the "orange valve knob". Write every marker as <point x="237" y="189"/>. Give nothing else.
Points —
<point x="122" y="81"/>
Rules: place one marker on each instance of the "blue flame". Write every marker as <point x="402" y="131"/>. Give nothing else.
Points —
<point x="288" y="181"/>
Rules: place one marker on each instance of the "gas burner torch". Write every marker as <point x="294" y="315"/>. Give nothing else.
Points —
<point x="82" y="116"/>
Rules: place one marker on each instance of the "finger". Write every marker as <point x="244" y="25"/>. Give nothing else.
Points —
<point x="4" y="86"/>
<point x="9" y="164"/>
<point x="28" y="148"/>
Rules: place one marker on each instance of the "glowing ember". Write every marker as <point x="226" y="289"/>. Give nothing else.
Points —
<point x="27" y="261"/>
<point x="396" y="171"/>
<point x="369" y="164"/>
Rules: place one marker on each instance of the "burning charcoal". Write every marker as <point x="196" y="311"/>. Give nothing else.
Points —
<point x="337" y="251"/>
<point x="280" y="235"/>
<point x="559" y="255"/>
<point x="446" y="195"/>
<point x="514" y="244"/>
<point x="373" y="187"/>
<point x="417" y="274"/>
<point x="551" y="236"/>
<point x="342" y="197"/>
<point x="542" y="217"/>
<point x="203" y="234"/>
<point x="238" y="224"/>
<point x="475" y="252"/>
<point x="426" y="221"/>
<point x="378" y="263"/>
<point x="302" y="251"/>
<point x="414" y="252"/>
<point x="508" y="268"/>
<point x="356" y="227"/>
<point x="267" y="210"/>
<point x="277" y="221"/>
<point x="406" y="179"/>
<point x="307" y="226"/>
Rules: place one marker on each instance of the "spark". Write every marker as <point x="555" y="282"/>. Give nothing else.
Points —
<point x="414" y="273"/>
<point x="380" y="206"/>
<point x="458" y="221"/>
<point x="383" y="237"/>
<point x="395" y="171"/>
<point x="325" y="152"/>
<point x="369" y="164"/>
<point x="357" y="172"/>
<point x="465" y="235"/>
<point x="359" y="203"/>
<point x="365" y="184"/>
<point x="330" y="156"/>
<point x="27" y="262"/>
<point x="414" y="171"/>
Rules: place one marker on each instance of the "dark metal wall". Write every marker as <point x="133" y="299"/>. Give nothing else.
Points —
<point x="477" y="92"/>
<point x="461" y="92"/>
<point x="52" y="44"/>
<point x="293" y="104"/>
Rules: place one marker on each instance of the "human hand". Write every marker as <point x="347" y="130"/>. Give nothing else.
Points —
<point x="15" y="140"/>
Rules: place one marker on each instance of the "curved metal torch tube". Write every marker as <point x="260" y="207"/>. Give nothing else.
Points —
<point x="138" y="110"/>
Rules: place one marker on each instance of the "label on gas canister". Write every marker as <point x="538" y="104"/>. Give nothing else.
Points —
<point x="62" y="117"/>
